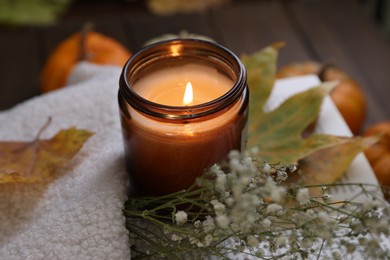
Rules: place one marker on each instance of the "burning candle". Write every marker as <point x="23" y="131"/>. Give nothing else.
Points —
<point x="188" y="95"/>
<point x="183" y="107"/>
<point x="187" y="85"/>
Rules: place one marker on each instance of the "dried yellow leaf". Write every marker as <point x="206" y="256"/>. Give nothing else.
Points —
<point x="39" y="160"/>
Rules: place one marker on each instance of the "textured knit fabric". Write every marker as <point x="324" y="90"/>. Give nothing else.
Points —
<point x="78" y="215"/>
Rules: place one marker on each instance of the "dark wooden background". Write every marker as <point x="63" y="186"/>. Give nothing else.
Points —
<point x="321" y="30"/>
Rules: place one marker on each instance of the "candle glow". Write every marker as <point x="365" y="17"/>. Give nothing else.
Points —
<point x="175" y="50"/>
<point x="182" y="110"/>
<point x="188" y="94"/>
<point x="167" y="85"/>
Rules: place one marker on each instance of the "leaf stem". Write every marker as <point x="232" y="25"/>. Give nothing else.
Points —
<point x="43" y="128"/>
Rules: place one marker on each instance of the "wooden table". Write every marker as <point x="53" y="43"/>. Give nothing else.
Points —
<point x="321" y="30"/>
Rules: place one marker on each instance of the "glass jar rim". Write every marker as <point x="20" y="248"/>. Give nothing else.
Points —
<point x="162" y="49"/>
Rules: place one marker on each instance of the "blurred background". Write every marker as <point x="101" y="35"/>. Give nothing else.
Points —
<point x="354" y="34"/>
<point x="46" y="12"/>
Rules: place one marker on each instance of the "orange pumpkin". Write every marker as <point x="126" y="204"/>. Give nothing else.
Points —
<point x="299" y="69"/>
<point x="379" y="154"/>
<point x="347" y="96"/>
<point x="89" y="46"/>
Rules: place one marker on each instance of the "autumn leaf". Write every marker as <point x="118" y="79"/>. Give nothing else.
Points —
<point x="261" y="71"/>
<point x="278" y="134"/>
<point x="40" y="12"/>
<point x="39" y="160"/>
<point x="326" y="166"/>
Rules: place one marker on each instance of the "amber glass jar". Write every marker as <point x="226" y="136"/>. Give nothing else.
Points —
<point x="168" y="141"/>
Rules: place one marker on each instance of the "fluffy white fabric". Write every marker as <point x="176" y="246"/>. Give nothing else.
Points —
<point x="79" y="214"/>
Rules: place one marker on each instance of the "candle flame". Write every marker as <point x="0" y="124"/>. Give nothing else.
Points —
<point x="188" y="95"/>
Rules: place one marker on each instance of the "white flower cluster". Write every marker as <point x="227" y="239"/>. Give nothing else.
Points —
<point x="243" y="202"/>
<point x="262" y="215"/>
<point x="243" y="207"/>
<point x="180" y="217"/>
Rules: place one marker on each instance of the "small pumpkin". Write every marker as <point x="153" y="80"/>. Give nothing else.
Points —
<point x="86" y="45"/>
<point x="347" y="96"/>
<point x="379" y="154"/>
<point x="299" y="69"/>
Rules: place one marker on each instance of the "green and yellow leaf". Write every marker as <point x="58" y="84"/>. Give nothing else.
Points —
<point x="279" y="134"/>
<point x="39" y="160"/>
<point x="326" y="166"/>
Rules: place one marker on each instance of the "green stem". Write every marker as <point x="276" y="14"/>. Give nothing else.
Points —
<point x="322" y="246"/>
<point x="326" y="205"/>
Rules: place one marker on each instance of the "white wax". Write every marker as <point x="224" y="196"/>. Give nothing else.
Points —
<point x="167" y="86"/>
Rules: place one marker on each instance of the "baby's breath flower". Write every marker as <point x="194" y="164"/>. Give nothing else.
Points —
<point x="197" y="224"/>
<point x="208" y="239"/>
<point x="216" y="170"/>
<point x="306" y="243"/>
<point x="274" y="208"/>
<point x="356" y="226"/>
<point x="303" y="196"/>
<point x="229" y="201"/>
<point x="175" y="237"/>
<point x="200" y="244"/>
<point x="386" y="211"/>
<point x="245" y="180"/>
<point x="383" y="226"/>
<point x="370" y="204"/>
<point x="222" y="221"/>
<point x="300" y="218"/>
<point x="260" y="252"/>
<point x="281" y="175"/>
<point x="281" y="241"/>
<point x="234" y="154"/>
<point x="266" y="223"/>
<point x="326" y="197"/>
<point x="310" y="213"/>
<point x="267" y="168"/>
<point x="247" y="225"/>
<point x="180" y="217"/>
<point x="219" y="208"/>
<point x="250" y="211"/>
<point x="208" y="224"/>
<point x="193" y="240"/>
<point x="252" y="241"/>
<point x="292" y="167"/>
<point x="235" y="165"/>
<point x="278" y="194"/>
<point x="336" y="255"/>
<point x="349" y="246"/>
<point x="326" y="220"/>
<point x="220" y="182"/>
